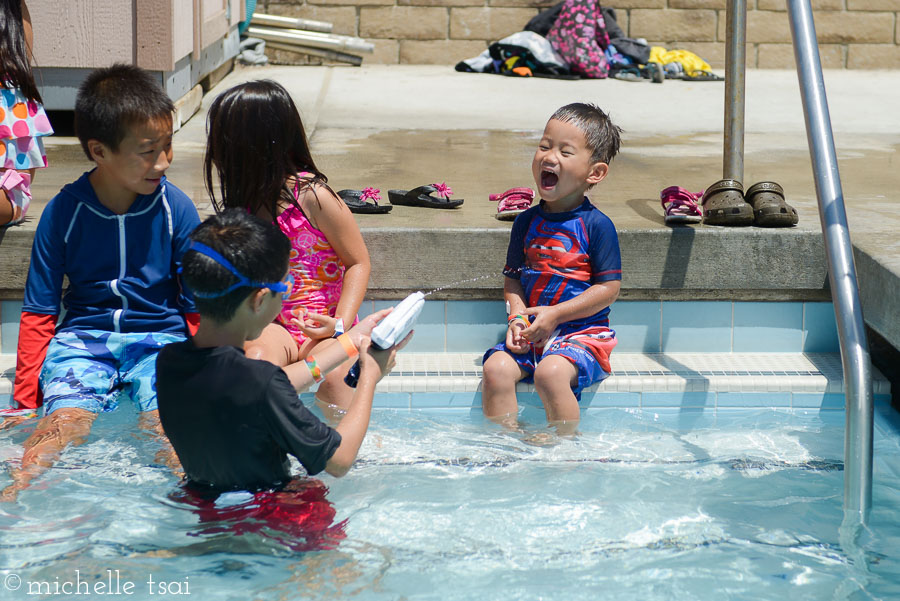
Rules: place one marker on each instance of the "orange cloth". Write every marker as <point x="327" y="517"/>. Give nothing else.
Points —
<point x="192" y="320"/>
<point x="35" y="332"/>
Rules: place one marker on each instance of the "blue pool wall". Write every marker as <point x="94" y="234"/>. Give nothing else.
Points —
<point x="456" y="326"/>
<point x="646" y="326"/>
<point x="641" y="326"/>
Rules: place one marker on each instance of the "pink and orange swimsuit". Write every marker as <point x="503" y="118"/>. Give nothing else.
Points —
<point x="317" y="270"/>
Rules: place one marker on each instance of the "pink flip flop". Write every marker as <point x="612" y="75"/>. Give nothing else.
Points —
<point x="680" y="205"/>
<point x="512" y="191"/>
<point x="512" y="203"/>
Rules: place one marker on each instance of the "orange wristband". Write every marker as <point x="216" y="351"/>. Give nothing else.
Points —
<point x="348" y="345"/>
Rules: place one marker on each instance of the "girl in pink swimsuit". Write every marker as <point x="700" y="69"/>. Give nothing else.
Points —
<point x="258" y="150"/>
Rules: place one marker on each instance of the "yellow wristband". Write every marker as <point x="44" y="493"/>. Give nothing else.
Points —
<point x="314" y="369"/>
<point x="348" y="345"/>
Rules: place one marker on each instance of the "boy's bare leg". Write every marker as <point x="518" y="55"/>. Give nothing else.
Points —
<point x="51" y="435"/>
<point x="553" y="379"/>
<point x="498" y="394"/>
<point x="148" y="421"/>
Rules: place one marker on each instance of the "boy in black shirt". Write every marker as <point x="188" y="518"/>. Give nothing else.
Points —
<point x="232" y="420"/>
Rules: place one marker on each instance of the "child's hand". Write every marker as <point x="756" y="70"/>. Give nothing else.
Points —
<point x="365" y="326"/>
<point x="514" y="339"/>
<point x="316" y="326"/>
<point x="9" y="418"/>
<point x="542" y="326"/>
<point x="377" y="364"/>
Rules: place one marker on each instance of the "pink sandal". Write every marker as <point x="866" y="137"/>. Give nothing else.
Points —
<point x="512" y="203"/>
<point x="680" y="205"/>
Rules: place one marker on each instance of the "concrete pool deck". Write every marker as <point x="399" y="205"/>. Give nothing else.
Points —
<point x="404" y="126"/>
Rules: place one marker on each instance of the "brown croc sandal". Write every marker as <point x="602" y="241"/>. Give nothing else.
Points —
<point x="723" y="204"/>
<point x="769" y="208"/>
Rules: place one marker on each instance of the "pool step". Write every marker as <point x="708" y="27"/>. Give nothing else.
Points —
<point x="7" y="374"/>
<point x="639" y="380"/>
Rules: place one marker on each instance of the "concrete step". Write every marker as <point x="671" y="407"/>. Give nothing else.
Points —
<point x="639" y="380"/>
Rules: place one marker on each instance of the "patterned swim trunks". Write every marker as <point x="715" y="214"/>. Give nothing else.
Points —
<point x="88" y="369"/>
<point x="587" y="349"/>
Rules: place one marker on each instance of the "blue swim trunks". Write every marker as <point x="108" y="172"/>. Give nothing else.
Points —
<point x="88" y="369"/>
<point x="582" y="348"/>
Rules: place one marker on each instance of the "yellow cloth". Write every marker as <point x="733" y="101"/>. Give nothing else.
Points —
<point x="690" y="61"/>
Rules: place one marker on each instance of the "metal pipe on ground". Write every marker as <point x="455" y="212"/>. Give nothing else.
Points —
<point x="841" y="269"/>
<point x="290" y="23"/>
<point x="332" y="55"/>
<point x="312" y="39"/>
<point x="735" y="72"/>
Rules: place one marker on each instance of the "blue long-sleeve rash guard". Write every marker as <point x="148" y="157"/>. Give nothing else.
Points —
<point x="121" y="268"/>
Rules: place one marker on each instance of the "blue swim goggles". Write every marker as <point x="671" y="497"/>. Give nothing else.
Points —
<point x="284" y="287"/>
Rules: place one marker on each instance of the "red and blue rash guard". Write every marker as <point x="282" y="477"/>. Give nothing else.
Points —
<point x="121" y="271"/>
<point x="557" y="256"/>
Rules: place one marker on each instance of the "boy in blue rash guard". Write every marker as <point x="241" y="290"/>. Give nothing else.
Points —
<point x="117" y="234"/>
<point x="563" y="271"/>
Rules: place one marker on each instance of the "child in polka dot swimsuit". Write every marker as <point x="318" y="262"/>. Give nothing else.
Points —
<point x="257" y="148"/>
<point x="23" y="121"/>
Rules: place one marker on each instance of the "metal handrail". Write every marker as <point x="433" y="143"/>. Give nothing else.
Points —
<point x="735" y="71"/>
<point x="839" y="251"/>
<point x="841" y="269"/>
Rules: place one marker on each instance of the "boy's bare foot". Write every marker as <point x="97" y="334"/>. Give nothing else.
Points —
<point x="554" y="434"/>
<point x="333" y="414"/>
<point x="51" y="435"/>
<point x="510" y="421"/>
<point x="9" y="494"/>
<point x="565" y="428"/>
<point x="541" y="439"/>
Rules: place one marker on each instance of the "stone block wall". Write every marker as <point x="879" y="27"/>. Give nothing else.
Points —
<point x="853" y="34"/>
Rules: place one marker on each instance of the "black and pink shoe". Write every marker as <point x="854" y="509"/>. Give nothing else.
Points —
<point x="432" y="196"/>
<point x="357" y="201"/>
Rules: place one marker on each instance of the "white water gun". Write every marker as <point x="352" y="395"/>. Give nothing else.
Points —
<point x="392" y="329"/>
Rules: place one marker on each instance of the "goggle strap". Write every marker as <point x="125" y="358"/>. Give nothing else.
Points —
<point x="242" y="280"/>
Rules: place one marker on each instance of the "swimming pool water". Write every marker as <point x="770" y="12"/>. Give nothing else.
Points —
<point x="733" y="504"/>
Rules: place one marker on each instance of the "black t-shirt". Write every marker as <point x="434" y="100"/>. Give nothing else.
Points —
<point x="232" y="420"/>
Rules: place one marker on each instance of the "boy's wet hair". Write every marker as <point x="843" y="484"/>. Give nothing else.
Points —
<point x="113" y="99"/>
<point x="601" y="135"/>
<point x="257" y="249"/>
